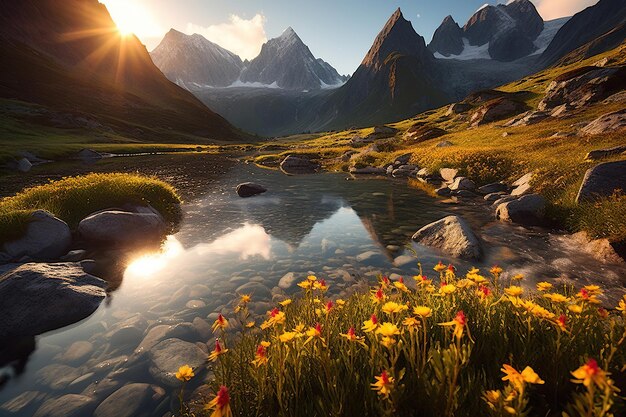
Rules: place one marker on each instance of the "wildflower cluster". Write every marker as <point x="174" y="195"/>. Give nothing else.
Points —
<point x="451" y="345"/>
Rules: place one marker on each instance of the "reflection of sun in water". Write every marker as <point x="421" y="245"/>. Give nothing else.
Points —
<point x="149" y="264"/>
<point x="131" y="17"/>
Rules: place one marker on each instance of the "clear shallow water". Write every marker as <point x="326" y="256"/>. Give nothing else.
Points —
<point x="342" y="230"/>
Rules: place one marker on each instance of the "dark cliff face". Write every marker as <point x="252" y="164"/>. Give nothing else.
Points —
<point x="528" y="20"/>
<point x="68" y="55"/>
<point x="289" y="63"/>
<point x="448" y="38"/>
<point x="603" y="25"/>
<point x="187" y="59"/>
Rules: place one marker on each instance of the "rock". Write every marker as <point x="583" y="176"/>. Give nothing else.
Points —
<point x="46" y="237"/>
<point x="491" y="197"/>
<point x="458" y="108"/>
<point x="74" y="255"/>
<point x="287" y="280"/>
<point x="448" y="174"/>
<point x="600" y="249"/>
<point x="367" y="256"/>
<point x="497" y="109"/>
<point x="464" y="194"/>
<point x="115" y="226"/>
<point x="384" y="130"/>
<point x="451" y="235"/>
<point x="422" y="133"/>
<point x="202" y="328"/>
<point x="522" y="185"/>
<point x="257" y="290"/>
<point x="402" y="159"/>
<point x="462" y="183"/>
<point x="443" y="191"/>
<point x="170" y="354"/>
<point x="191" y="304"/>
<point x="605" y="153"/>
<point x="36" y="298"/>
<point x="444" y="144"/>
<point x="19" y="405"/>
<point x="602" y="181"/>
<point x="528" y="210"/>
<point x="295" y="164"/>
<point x="530" y="118"/>
<point x="494" y="187"/>
<point x="88" y="154"/>
<point x="129" y="401"/>
<point x="358" y="140"/>
<point x="24" y="165"/>
<point x="248" y="189"/>
<point x="128" y="331"/>
<point x="70" y="405"/>
<point x="368" y="171"/>
<point x="56" y="376"/>
<point x="609" y="122"/>
<point x="510" y="43"/>
<point x="424" y="172"/>
<point x="504" y="199"/>
<point x="583" y="86"/>
<point x="76" y="352"/>
<point x="403" y="260"/>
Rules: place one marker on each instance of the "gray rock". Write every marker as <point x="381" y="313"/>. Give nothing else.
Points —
<point x="458" y="108"/>
<point x="464" y="194"/>
<point x="443" y="191"/>
<point x="88" y="154"/>
<point x="129" y="401"/>
<point x="366" y="256"/>
<point x="295" y="164"/>
<point x="56" y="376"/>
<point x="191" y="304"/>
<point x="602" y="181"/>
<point x="528" y="210"/>
<point x="522" y="185"/>
<point x="494" y="196"/>
<point x="495" y="110"/>
<point x="448" y="174"/>
<point x="46" y="238"/>
<point x="115" y="226"/>
<point x="451" y="235"/>
<point x="24" y="165"/>
<point x="169" y="355"/>
<point x="495" y="187"/>
<point x="19" y="405"/>
<point x="444" y="144"/>
<point x="74" y="255"/>
<point x="403" y="260"/>
<point x="287" y="280"/>
<point x="504" y="199"/>
<point x="384" y="130"/>
<point x="462" y="183"/>
<point x="403" y="159"/>
<point x="256" y="289"/>
<point x="424" y="172"/>
<point x="605" y="153"/>
<point x="606" y="123"/>
<point x="249" y="189"/>
<point x="77" y="352"/>
<point x="128" y="331"/>
<point x="36" y="298"/>
<point x="70" y="405"/>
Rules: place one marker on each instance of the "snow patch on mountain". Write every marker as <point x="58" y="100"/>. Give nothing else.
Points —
<point x="551" y="27"/>
<point x="469" y="52"/>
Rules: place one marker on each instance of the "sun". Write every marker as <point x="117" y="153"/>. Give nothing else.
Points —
<point x="132" y="17"/>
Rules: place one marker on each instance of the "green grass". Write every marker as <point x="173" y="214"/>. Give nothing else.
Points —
<point x="485" y="155"/>
<point x="73" y="198"/>
<point x="436" y="372"/>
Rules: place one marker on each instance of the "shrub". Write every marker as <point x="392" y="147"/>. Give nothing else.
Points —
<point x="73" y="198"/>
<point x="453" y="346"/>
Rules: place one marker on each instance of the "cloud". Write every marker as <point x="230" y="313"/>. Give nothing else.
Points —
<point x="552" y="9"/>
<point x="241" y="36"/>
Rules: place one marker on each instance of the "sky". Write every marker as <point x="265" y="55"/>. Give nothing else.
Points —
<point x="338" y="31"/>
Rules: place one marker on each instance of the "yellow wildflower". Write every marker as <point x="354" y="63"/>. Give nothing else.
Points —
<point x="387" y="341"/>
<point x="217" y="351"/>
<point x="383" y="384"/>
<point x="314" y="332"/>
<point x="496" y="270"/>
<point x="519" y="379"/>
<point x="544" y="286"/>
<point x="391" y="307"/>
<point x="311" y="278"/>
<point x="422" y="311"/>
<point x="287" y="337"/>
<point x="447" y="289"/>
<point x="185" y="373"/>
<point x="250" y="324"/>
<point x="458" y="322"/>
<point x="260" y="356"/>
<point x="306" y="284"/>
<point x="621" y="306"/>
<point x="514" y="291"/>
<point x="411" y="323"/>
<point x="245" y="298"/>
<point x="370" y="325"/>
<point x="388" y="329"/>
<point x="575" y="308"/>
<point x="517" y="277"/>
<point x="220" y="404"/>
<point x="556" y="297"/>
<point x="590" y="373"/>
<point x="286" y="302"/>
<point x="440" y="267"/>
<point x="220" y="323"/>
<point x="401" y="286"/>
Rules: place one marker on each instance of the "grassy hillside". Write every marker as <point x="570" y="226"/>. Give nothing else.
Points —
<point x="485" y="154"/>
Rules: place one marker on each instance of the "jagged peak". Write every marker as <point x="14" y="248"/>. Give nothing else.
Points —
<point x="448" y="19"/>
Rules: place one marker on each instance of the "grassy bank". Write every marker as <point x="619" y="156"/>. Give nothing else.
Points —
<point x="550" y="148"/>
<point x="73" y="198"/>
<point x="469" y="345"/>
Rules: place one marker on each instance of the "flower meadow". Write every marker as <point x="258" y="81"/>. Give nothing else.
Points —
<point x="452" y="345"/>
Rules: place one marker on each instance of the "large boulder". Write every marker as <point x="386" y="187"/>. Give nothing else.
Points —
<point x="170" y="354"/>
<point x="583" y="86"/>
<point x="249" y="189"/>
<point x="609" y="122"/>
<point x="497" y="109"/>
<point x="131" y="400"/>
<point x="602" y="181"/>
<point x="24" y="165"/>
<point x="421" y="133"/>
<point x="38" y="297"/>
<point x="46" y="237"/>
<point x="116" y="226"/>
<point x="528" y="210"/>
<point x="452" y="235"/>
<point x="458" y="108"/>
<point x="605" y="153"/>
<point x="295" y="164"/>
<point x="462" y="183"/>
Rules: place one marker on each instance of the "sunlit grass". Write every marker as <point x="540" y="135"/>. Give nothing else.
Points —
<point x="457" y="345"/>
<point x="73" y="198"/>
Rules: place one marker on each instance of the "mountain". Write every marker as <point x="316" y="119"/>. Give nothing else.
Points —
<point x="68" y="58"/>
<point x="194" y="60"/>
<point x="507" y="32"/>
<point x="596" y="29"/>
<point x="448" y="38"/>
<point x="287" y="62"/>
<point x="394" y="80"/>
